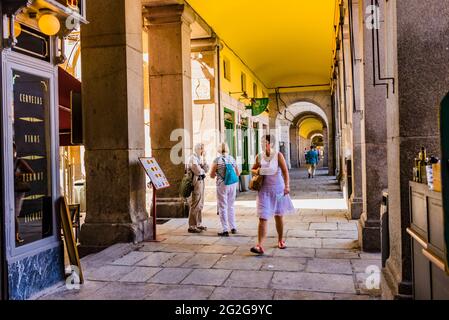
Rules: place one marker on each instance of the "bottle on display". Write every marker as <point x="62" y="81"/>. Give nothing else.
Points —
<point x="430" y="171"/>
<point x="422" y="165"/>
<point x="416" y="170"/>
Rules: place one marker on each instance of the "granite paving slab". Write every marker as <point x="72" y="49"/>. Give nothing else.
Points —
<point x="207" y="277"/>
<point x="170" y="276"/>
<point x="302" y="281"/>
<point x="249" y="279"/>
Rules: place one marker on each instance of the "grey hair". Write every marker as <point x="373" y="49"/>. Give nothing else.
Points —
<point x="198" y="147"/>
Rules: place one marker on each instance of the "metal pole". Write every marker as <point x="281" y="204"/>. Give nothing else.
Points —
<point x="154" y="212"/>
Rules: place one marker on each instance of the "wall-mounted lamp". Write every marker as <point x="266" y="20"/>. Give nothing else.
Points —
<point x="48" y="22"/>
<point x="244" y="95"/>
<point x="14" y="31"/>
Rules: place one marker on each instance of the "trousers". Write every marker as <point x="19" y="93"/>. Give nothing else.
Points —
<point x="312" y="169"/>
<point x="196" y="203"/>
<point x="226" y="198"/>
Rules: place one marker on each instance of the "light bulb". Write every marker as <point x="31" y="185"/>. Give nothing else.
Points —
<point x="17" y="29"/>
<point x="49" y="24"/>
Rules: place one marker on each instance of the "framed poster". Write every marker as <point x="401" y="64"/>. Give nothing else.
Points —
<point x="155" y="173"/>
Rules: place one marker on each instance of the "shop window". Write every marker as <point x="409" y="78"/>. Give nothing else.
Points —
<point x="243" y="81"/>
<point x="256" y="137"/>
<point x="33" y="205"/>
<point x="227" y="69"/>
<point x="244" y="123"/>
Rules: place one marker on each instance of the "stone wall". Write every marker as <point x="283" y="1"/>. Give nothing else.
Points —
<point x="417" y="41"/>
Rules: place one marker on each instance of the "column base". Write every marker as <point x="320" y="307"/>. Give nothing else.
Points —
<point x="393" y="289"/>
<point x="356" y="208"/>
<point x="95" y="237"/>
<point x="369" y="234"/>
<point x="172" y="208"/>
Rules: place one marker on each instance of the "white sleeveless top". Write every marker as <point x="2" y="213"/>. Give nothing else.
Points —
<point x="269" y="168"/>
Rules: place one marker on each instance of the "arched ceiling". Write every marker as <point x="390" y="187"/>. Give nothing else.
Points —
<point x="296" y="110"/>
<point x="285" y="42"/>
<point x="310" y="125"/>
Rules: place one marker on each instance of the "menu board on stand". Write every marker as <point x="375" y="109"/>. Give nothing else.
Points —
<point x="158" y="181"/>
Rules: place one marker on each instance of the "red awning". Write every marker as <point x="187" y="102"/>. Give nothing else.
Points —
<point x="66" y="84"/>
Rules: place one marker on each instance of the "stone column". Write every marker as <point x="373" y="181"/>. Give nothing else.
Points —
<point x="327" y="159"/>
<point x="294" y="146"/>
<point x="171" y="98"/>
<point x="272" y="115"/>
<point x="374" y="137"/>
<point x="418" y="57"/>
<point x="356" y="198"/>
<point x="113" y="124"/>
<point x="303" y="144"/>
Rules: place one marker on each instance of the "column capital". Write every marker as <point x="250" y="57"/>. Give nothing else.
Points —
<point x="155" y="15"/>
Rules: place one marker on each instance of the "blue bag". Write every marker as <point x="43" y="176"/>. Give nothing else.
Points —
<point x="230" y="175"/>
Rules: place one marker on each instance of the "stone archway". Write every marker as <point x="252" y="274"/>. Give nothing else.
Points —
<point x="296" y="102"/>
<point x="287" y="123"/>
<point x="303" y="137"/>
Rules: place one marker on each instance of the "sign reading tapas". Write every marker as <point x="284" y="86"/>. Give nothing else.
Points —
<point x="155" y="173"/>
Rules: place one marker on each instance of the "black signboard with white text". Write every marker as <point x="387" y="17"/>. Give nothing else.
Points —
<point x="32" y="141"/>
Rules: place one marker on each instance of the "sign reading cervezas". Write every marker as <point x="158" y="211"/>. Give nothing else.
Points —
<point x="30" y="99"/>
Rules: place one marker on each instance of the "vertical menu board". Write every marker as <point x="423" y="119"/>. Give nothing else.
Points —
<point x="155" y="173"/>
<point x="33" y="208"/>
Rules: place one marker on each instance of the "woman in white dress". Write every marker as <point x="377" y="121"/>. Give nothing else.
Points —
<point x="274" y="197"/>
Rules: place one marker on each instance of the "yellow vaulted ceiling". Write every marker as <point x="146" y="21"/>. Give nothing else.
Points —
<point x="285" y="42"/>
<point x="310" y="125"/>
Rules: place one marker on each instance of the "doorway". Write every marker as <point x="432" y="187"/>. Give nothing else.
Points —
<point x="230" y="131"/>
<point x="3" y="277"/>
<point x="245" y="137"/>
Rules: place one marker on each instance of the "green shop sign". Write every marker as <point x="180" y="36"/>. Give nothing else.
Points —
<point x="258" y="106"/>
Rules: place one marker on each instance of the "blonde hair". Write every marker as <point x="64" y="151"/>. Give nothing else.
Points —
<point x="223" y="148"/>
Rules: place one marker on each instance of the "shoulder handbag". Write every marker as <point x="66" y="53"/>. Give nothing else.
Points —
<point x="186" y="187"/>
<point x="256" y="182"/>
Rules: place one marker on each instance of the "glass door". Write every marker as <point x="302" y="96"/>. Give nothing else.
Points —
<point x="245" y="138"/>
<point x="3" y="276"/>
<point x="33" y="212"/>
<point x="444" y="132"/>
<point x="256" y="138"/>
<point x="30" y="179"/>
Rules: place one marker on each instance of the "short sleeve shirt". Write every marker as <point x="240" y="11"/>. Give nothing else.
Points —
<point x="221" y="167"/>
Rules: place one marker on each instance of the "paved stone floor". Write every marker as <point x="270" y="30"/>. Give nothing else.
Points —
<point x="322" y="260"/>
